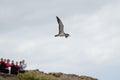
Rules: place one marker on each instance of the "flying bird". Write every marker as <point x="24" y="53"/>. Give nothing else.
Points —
<point x="61" y="29"/>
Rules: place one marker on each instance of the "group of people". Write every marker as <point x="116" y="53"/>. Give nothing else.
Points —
<point x="11" y="67"/>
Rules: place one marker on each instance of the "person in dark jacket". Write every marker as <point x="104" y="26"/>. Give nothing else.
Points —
<point x="12" y="71"/>
<point x="1" y="61"/>
<point x="14" y="68"/>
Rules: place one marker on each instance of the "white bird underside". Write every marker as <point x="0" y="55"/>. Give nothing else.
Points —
<point x="61" y="34"/>
<point x="61" y="29"/>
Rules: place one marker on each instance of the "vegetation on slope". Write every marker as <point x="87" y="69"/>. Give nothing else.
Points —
<point x="32" y="76"/>
<point x="39" y="75"/>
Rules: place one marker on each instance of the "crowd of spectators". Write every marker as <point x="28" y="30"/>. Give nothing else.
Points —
<point x="11" y="67"/>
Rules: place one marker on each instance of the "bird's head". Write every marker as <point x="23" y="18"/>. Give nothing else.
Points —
<point x="66" y="35"/>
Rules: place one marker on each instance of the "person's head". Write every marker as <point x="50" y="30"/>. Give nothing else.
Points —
<point x="20" y="62"/>
<point x="12" y="62"/>
<point x="16" y="63"/>
<point x="1" y="59"/>
<point x="8" y="60"/>
<point x="4" y="60"/>
<point x="23" y="61"/>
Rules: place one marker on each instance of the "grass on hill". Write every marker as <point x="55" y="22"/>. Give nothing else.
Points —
<point x="32" y="76"/>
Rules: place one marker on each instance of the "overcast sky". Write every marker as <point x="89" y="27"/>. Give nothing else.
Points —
<point x="27" y="29"/>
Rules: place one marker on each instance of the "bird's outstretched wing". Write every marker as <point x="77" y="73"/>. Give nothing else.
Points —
<point x="61" y="26"/>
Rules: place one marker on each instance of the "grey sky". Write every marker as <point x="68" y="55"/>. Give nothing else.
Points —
<point x="27" y="29"/>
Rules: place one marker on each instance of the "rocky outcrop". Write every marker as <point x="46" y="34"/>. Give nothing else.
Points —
<point x="8" y="77"/>
<point x="54" y="76"/>
<point x="62" y="76"/>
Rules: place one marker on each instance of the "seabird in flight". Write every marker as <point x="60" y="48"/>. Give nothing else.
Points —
<point x="61" y="29"/>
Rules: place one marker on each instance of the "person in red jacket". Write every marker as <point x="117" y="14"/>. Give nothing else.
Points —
<point x="1" y="60"/>
<point x="8" y="65"/>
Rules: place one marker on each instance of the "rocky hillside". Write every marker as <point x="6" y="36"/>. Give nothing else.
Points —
<point x="8" y="77"/>
<point x="54" y="76"/>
